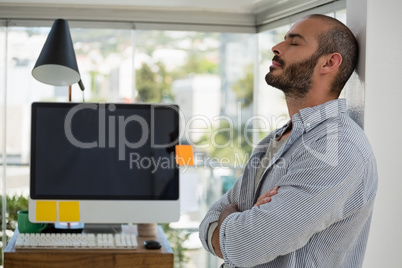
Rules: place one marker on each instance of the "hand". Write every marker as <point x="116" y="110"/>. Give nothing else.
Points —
<point x="266" y="198"/>
<point x="226" y="211"/>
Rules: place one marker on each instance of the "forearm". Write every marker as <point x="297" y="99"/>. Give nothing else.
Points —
<point x="229" y="209"/>
<point x="215" y="242"/>
<point x="206" y="229"/>
<point x="212" y="216"/>
<point x="232" y="208"/>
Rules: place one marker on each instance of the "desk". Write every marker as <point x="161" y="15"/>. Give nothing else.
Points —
<point x="103" y="258"/>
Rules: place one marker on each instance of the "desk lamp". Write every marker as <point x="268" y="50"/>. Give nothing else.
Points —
<point x="57" y="64"/>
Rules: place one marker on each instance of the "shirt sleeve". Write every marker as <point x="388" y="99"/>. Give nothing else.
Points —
<point x="211" y="231"/>
<point x="231" y="196"/>
<point x="311" y="197"/>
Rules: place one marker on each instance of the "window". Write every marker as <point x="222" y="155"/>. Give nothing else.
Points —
<point x="210" y="75"/>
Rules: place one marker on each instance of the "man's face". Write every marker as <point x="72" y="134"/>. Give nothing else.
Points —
<point x="295" y="59"/>
<point x="296" y="77"/>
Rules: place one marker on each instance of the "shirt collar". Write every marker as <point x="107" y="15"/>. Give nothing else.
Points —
<point x="305" y="120"/>
<point x="310" y="117"/>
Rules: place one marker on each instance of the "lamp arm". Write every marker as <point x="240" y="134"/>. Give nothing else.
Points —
<point x="81" y="85"/>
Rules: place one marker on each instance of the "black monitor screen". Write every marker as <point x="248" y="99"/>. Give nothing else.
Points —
<point x="104" y="151"/>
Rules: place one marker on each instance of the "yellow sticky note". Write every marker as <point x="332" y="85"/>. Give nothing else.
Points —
<point x="46" y="211"/>
<point x="184" y="155"/>
<point x="69" y="211"/>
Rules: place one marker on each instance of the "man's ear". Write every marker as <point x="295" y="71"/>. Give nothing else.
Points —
<point x="331" y="63"/>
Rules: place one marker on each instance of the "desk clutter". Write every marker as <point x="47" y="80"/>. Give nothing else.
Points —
<point x="76" y="241"/>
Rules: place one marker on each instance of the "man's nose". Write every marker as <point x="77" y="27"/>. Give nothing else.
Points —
<point x="277" y="49"/>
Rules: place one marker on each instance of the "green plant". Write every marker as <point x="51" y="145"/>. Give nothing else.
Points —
<point x="176" y="238"/>
<point x="13" y="204"/>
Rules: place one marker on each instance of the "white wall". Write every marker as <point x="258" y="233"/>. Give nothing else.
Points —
<point x="378" y="27"/>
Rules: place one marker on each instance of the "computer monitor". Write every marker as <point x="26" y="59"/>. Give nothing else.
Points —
<point x="104" y="163"/>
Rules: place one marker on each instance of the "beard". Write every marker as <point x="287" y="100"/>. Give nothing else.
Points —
<point x="296" y="78"/>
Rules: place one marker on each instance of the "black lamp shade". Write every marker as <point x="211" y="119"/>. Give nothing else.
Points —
<point x="57" y="64"/>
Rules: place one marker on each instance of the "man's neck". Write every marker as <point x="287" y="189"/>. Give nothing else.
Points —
<point x="294" y="105"/>
<point x="310" y="100"/>
<point x="286" y="134"/>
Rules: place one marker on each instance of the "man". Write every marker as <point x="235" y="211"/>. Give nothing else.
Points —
<point x="306" y="196"/>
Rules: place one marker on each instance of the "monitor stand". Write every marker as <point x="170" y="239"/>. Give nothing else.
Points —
<point x="141" y="229"/>
<point x="146" y="229"/>
<point x="68" y="227"/>
<point x="97" y="228"/>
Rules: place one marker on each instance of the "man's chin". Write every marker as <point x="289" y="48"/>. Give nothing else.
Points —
<point x="273" y="69"/>
<point x="270" y="78"/>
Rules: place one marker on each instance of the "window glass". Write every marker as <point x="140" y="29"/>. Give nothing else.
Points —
<point x="210" y="76"/>
<point x="104" y="57"/>
<point x="23" y="47"/>
<point x="164" y="57"/>
<point x="2" y="86"/>
<point x="271" y="105"/>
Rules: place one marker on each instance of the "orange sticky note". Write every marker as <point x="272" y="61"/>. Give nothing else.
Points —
<point x="46" y="211"/>
<point x="69" y="211"/>
<point x="184" y="155"/>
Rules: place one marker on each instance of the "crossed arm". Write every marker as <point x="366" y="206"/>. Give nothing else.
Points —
<point x="231" y="208"/>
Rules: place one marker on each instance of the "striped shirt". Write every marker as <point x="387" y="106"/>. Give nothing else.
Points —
<point x="273" y="147"/>
<point x="321" y="215"/>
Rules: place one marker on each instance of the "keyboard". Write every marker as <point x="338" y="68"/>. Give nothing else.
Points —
<point x="76" y="241"/>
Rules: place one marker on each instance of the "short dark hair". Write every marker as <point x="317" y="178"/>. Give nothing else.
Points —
<point x="339" y="39"/>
